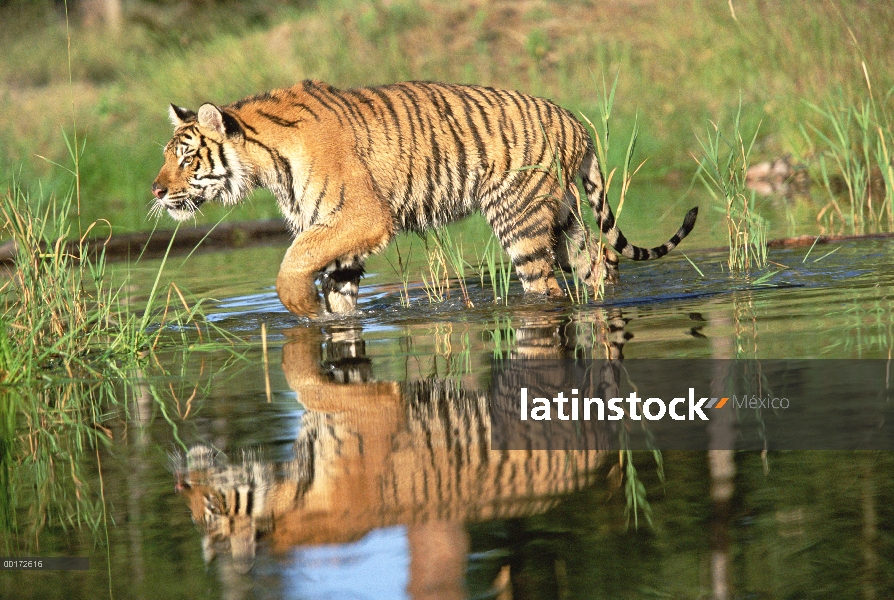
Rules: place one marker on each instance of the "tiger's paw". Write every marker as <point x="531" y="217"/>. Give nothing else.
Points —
<point x="339" y="292"/>
<point x="301" y="299"/>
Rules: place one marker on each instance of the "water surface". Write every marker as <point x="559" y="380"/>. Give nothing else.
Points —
<point x="365" y="437"/>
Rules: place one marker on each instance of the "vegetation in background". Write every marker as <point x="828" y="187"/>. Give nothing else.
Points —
<point x="856" y="156"/>
<point x="723" y="170"/>
<point x="676" y="73"/>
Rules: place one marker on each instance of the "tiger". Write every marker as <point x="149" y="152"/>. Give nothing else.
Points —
<point x="352" y="168"/>
<point x="411" y="453"/>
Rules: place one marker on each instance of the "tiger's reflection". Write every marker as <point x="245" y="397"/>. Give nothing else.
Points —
<point x="371" y="454"/>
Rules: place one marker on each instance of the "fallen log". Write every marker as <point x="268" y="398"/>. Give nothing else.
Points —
<point x="155" y="244"/>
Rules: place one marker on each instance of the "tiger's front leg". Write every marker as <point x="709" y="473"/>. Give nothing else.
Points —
<point x="295" y="284"/>
<point x="354" y="230"/>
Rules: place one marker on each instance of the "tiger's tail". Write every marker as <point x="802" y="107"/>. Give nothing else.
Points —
<point x="594" y="186"/>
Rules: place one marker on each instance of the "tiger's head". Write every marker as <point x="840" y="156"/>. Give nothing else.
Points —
<point x="229" y="502"/>
<point x="203" y="161"/>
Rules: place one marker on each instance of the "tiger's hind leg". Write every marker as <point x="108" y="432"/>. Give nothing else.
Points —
<point x="534" y="266"/>
<point x="610" y="262"/>
<point x="526" y="234"/>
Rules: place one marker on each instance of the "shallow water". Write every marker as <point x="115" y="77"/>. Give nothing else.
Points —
<point x="366" y="438"/>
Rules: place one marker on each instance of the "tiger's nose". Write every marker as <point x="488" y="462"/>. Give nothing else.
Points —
<point x="158" y="191"/>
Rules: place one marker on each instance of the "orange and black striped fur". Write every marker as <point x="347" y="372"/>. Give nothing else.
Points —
<point x="411" y="452"/>
<point x="352" y="168"/>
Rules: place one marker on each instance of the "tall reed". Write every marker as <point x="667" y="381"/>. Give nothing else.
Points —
<point x="452" y="251"/>
<point x="499" y="274"/>
<point x="60" y="311"/>
<point x="602" y="138"/>
<point x="855" y="149"/>
<point x="56" y="309"/>
<point x="722" y="169"/>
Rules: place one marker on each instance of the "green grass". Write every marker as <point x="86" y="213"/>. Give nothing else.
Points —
<point x="452" y="252"/>
<point x="498" y="274"/>
<point x="436" y="280"/>
<point x="72" y="344"/>
<point x="442" y="266"/>
<point x="858" y="154"/>
<point x="722" y="169"/>
<point x="675" y="73"/>
<point x="56" y="308"/>
<point x="61" y="312"/>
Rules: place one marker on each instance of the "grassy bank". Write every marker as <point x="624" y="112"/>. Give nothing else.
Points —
<point x="63" y="314"/>
<point x="681" y="63"/>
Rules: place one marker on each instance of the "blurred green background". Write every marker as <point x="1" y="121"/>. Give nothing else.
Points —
<point x="681" y="65"/>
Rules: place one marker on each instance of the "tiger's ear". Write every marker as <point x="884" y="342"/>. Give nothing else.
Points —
<point x="214" y="119"/>
<point x="180" y="115"/>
